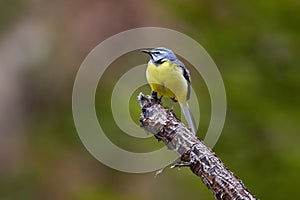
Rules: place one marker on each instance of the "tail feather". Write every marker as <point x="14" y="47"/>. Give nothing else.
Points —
<point x="189" y="117"/>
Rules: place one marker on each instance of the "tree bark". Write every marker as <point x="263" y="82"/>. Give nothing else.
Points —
<point x="162" y="122"/>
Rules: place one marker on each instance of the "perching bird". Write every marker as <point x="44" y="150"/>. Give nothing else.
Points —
<point x="168" y="77"/>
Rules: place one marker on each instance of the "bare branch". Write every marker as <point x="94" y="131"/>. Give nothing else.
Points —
<point x="162" y="122"/>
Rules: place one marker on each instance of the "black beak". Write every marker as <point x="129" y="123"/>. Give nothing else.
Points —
<point x="146" y="51"/>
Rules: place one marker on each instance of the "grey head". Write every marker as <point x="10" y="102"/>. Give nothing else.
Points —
<point x="160" y="55"/>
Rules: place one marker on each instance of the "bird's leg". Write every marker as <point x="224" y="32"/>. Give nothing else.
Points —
<point x="160" y="98"/>
<point x="155" y="97"/>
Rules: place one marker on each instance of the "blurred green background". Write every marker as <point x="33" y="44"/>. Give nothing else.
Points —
<point x="255" y="44"/>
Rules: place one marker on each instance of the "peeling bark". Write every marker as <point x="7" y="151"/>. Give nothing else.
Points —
<point x="162" y="122"/>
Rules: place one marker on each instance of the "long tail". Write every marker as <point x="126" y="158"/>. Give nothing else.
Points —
<point x="189" y="117"/>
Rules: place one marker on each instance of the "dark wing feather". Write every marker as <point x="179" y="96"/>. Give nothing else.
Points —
<point x="187" y="77"/>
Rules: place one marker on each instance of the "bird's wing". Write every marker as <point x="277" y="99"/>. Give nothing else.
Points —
<point x="185" y="107"/>
<point x="187" y="77"/>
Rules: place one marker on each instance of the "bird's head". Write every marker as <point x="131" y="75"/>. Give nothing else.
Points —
<point x="160" y="55"/>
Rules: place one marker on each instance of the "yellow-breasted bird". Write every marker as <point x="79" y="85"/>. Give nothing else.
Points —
<point x="168" y="77"/>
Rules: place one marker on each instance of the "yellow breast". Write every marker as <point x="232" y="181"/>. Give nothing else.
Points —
<point x="167" y="80"/>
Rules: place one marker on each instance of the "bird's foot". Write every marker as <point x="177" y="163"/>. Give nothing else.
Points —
<point x="154" y="95"/>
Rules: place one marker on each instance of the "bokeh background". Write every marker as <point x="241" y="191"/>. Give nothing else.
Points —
<point x="255" y="44"/>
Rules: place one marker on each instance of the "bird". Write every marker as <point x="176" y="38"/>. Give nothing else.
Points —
<point x="168" y="77"/>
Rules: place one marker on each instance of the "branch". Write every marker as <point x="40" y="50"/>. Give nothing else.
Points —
<point x="162" y="122"/>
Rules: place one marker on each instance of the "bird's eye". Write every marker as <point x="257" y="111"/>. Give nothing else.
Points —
<point x="156" y="52"/>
